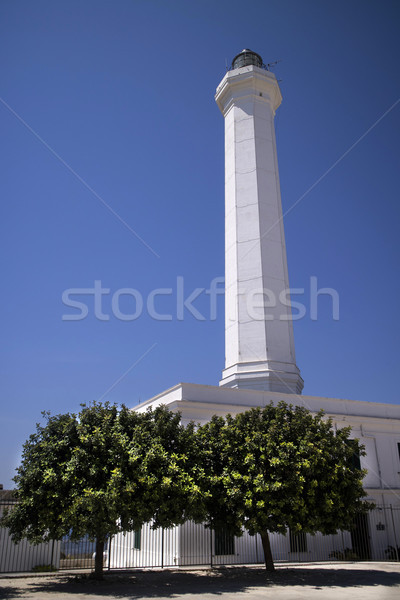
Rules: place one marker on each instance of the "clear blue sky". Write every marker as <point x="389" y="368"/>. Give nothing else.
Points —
<point x="123" y="92"/>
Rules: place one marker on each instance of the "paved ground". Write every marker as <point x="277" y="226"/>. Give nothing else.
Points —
<point x="355" y="581"/>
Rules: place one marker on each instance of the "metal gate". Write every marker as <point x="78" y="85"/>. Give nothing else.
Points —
<point x="375" y="536"/>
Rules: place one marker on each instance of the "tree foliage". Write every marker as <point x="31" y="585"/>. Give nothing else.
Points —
<point x="267" y="470"/>
<point x="107" y="470"/>
<point x="103" y="471"/>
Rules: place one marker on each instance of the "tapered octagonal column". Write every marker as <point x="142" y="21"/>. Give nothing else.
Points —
<point x="259" y="342"/>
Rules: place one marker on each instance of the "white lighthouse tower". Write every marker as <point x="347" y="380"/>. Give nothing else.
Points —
<point x="260" y="360"/>
<point x="259" y="344"/>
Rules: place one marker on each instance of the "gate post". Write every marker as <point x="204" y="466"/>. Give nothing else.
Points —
<point x="162" y="547"/>
<point x="109" y="552"/>
<point x="211" y="549"/>
<point x="394" y="533"/>
<point x="52" y="554"/>
<point x="343" y="548"/>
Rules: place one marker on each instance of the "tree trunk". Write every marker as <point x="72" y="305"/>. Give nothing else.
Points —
<point x="269" y="561"/>
<point x="98" y="561"/>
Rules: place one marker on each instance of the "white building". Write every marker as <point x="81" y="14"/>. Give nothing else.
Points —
<point x="260" y="357"/>
<point x="23" y="556"/>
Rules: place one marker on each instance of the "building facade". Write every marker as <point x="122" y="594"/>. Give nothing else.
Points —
<point x="260" y="362"/>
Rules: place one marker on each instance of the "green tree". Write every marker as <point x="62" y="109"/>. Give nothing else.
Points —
<point x="103" y="471"/>
<point x="267" y="470"/>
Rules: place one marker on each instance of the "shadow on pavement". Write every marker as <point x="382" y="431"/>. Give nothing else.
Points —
<point x="152" y="584"/>
<point x="9" y="592"/>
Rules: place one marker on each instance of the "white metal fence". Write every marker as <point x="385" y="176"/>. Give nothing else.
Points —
<point x="375" y="536"/>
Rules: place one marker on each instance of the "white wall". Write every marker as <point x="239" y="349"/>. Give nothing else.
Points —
<point x="24" y="556"/>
